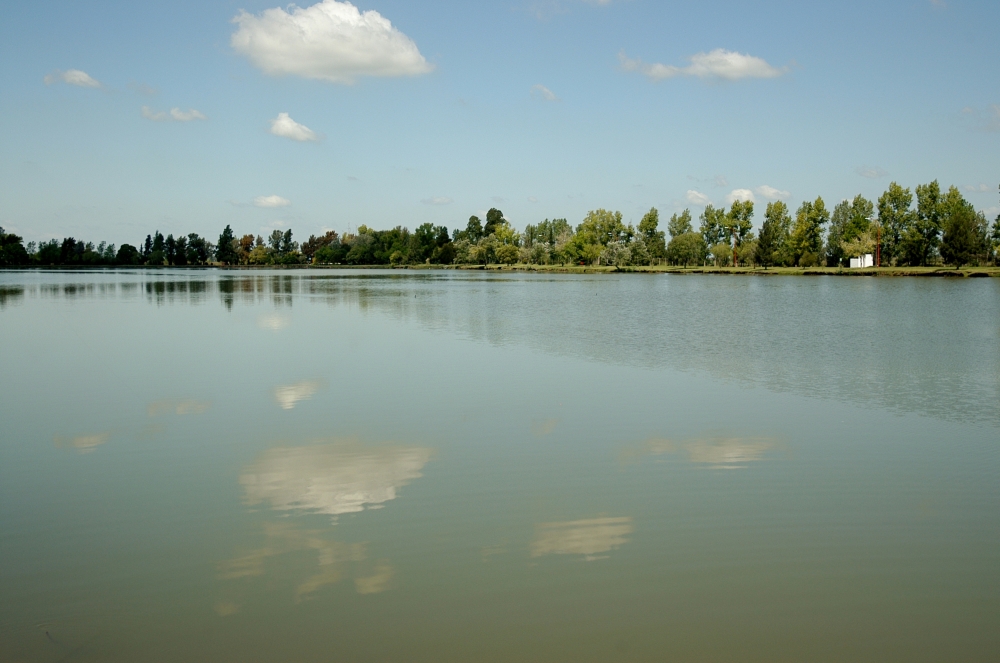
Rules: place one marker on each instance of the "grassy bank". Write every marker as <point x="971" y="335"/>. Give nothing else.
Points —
<point x="747" y="271"/>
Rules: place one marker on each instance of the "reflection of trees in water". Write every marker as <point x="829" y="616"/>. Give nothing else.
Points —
<point x="925" y="346"/>
<point x="10" y="295"/>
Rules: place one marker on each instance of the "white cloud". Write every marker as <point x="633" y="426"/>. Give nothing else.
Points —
<point x="982" y="187"/>
<point x="992" y="212"/>
<point x="271" y="201"/>
<point x="697" y="198"/>
<point x="740" y="194"/>
<point x="770" y="193"/>
<point x="72" y="77"/>
<point x="174" y="115"/>
<point x="532" y="199"/>
<point x="871" y="172"/>
<point x="719" y="64"/>
<point x="330" y="41"/>
<point x="437" y="200"/>
<point x="542" y="92"/>
<point x="286" y="127"/>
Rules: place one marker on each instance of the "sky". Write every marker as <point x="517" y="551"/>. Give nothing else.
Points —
<point x="121" y="118"/>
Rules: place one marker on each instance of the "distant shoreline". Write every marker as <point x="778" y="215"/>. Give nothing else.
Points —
<point x="940" y="271"/>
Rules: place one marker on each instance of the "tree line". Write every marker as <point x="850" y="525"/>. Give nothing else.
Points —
<point x="926" y="226"/>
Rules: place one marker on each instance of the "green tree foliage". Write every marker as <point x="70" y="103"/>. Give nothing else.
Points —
<point x="895" y="218"/>
<point x="12" y="251"/>
<point x="679" y="224"/>
<point x="494" y="218"/>
<point x="961" y="242"/>
<point x="713" y="226"/>
<point x="839" y="221"/>
<point x="739" y="220"/>
<point x="807" y="234"/>
<point x="653" y="238"/>
<point x="920" y="239"/>
<point x="225" y="251"/>
<point x="687" y="249"/>
<point x="773" y="242"/>
<point x="128" y="255"/>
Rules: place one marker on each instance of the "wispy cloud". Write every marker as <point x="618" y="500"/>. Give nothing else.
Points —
<point x="719" y="65"/>
<point x="983" y="120"/>
<point x="286" y="127"/>
<point x="329" y="41"/>
<point x="437" y="200"/>
<point x="174" y="115"/>
<point x="541" y="92"/>
<point x="697" y="198"/>
<point x="871" y="172"/>
<point x="982" y="187"/>
<point x="72" y="77"/>
<point x="271" y="201"/>
<point x="770" y="193"/>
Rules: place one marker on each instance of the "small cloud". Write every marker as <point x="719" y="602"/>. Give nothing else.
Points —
<point x="697" y="198"/>
<point x="532" y="199"/>
<point x="175" y="115"/>
<point x="499" y="200"/>
<point x="437" y="200"/>
<point x="721" y="181"/>
<point x="988" y="120"/>
<point x="271" y="201"/>
<point x="770" y="193"/>
<point x="286" y="127"/>
<point x="72" y="77"/>
<point x="352" y="178"/>
<point x="739" y="194"/>
<point x="329" y="41"/>
<point x="871" y="172"/>
<point x="541" y="92"/>
<point x="719" y="65"/>
<point x="143" y="89"/>
<point x="982" y="187"/>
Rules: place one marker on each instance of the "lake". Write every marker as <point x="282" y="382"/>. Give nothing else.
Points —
<point x="349" y="465"/>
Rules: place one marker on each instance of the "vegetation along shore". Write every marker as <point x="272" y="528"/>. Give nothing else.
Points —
<point x="910" y="233"/>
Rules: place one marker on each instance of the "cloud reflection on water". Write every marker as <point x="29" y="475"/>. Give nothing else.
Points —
<point x="588" y="537"/>
<point x="331" y="479"/>
<point x="717" y="453"/>
<point x="288" y="396"/>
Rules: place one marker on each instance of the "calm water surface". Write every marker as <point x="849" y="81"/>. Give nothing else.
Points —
<point x="436" y="466"/>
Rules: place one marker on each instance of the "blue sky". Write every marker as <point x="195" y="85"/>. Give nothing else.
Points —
<point x="543" y="109"/>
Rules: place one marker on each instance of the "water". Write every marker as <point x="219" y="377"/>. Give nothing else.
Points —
<point x="448" y="466"/>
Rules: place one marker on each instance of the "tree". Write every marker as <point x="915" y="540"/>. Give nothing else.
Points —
<point x="493" y="218"/>
<point x="687" y="249"/>
<point x="128" y="255"/>
<point x="773" y="234"/>
<point x="807" y="234"/>
<point x="895" y="218"/>
<point x="713" y="226"/>
<point x="225" y="252"/>
<point x="653" y="237"/>
<point x="921" y="238"/>
<point x="960" y="241"/>
<point x="12" y="251"/>
<point x="838" y="225"/>
<point x="738" y="222"/>
<point x="679" y="224"/>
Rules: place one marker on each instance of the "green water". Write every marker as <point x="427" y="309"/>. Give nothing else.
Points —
<point x="442" y="466"/>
